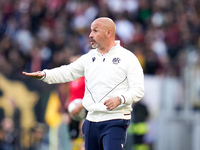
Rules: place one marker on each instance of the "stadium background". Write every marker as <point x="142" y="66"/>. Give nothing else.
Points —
<point x="38" y="34"/>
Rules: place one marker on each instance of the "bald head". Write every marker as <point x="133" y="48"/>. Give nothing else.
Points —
<point x="107" y="24"/>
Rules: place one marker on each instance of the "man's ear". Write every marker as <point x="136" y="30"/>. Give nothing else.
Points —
<point x="108" y="33"/>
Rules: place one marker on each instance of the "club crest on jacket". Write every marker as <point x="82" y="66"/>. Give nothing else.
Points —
<point x="116" y="60"/>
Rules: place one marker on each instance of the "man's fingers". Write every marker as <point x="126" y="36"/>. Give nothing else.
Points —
<point x="36" y="75"/>
<point x="112" y="103"/>
<point x="109" y="105"/>
<point x="30" y="74"/>
<point x="107" y="102"/>
<point x="25" y="73"/>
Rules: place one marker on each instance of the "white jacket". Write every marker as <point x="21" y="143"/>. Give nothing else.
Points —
<point x="117" y="73"/>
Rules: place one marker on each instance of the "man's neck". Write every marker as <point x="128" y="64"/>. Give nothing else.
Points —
<point x="107" y="48"/>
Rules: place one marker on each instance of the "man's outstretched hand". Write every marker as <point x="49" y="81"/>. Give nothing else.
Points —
<point x="35" y="75"/>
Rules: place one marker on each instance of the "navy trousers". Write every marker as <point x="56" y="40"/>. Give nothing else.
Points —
<point x="105" y="135"/>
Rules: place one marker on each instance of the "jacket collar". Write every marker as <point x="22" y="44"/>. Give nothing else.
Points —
<point x="117" y="44"/>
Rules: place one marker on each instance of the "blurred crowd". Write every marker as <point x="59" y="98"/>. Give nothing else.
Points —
<point x="38" y="34"/>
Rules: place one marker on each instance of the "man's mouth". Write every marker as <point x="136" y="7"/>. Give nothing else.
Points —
<point x="92" y="41"/>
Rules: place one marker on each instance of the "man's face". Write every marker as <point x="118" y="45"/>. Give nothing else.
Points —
<point x="97" y="35"/>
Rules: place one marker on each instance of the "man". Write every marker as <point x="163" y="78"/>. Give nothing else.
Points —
<point x="113" y="81"/>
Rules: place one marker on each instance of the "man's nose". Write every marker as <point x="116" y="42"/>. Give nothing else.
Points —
<point x="90" y="36"/>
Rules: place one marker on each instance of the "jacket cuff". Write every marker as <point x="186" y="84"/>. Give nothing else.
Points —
<point x="122" y="99"/>
<point x="44" y="73"/>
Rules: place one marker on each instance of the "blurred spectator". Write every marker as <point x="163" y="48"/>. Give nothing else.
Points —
<point x="2" y="137"/>
<point x="9" y="134"/>
<point x="39" y="140"/>
<point x="2" y="113"/>
<point x="140" y="127"/>
<point x="23" y="37"/>
<point x="16" y="124"/>
<point x="2" y="27"/>
<point x="125" y="30"/>
<point x="152" y="65"/>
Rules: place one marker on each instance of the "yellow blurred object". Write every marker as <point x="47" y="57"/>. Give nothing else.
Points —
<point x="141" y="147"/>
<point x="140" y="128"/>
<point x="52" y="116"/>
<point x="16" y="94"/>
<point x="78" y="144"/>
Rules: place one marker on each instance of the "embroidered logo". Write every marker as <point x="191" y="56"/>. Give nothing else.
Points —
<point x="93" y="59"/>
<point x="116" y="60"/>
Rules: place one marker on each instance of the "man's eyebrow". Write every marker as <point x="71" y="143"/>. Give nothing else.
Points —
<point x="95" y="27"/>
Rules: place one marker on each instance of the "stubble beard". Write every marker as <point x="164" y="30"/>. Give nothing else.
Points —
<point x="95" y="45"/>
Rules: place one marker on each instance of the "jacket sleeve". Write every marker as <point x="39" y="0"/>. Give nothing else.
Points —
<point x="135" y="78"/>
<point x="65" y="73"/>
